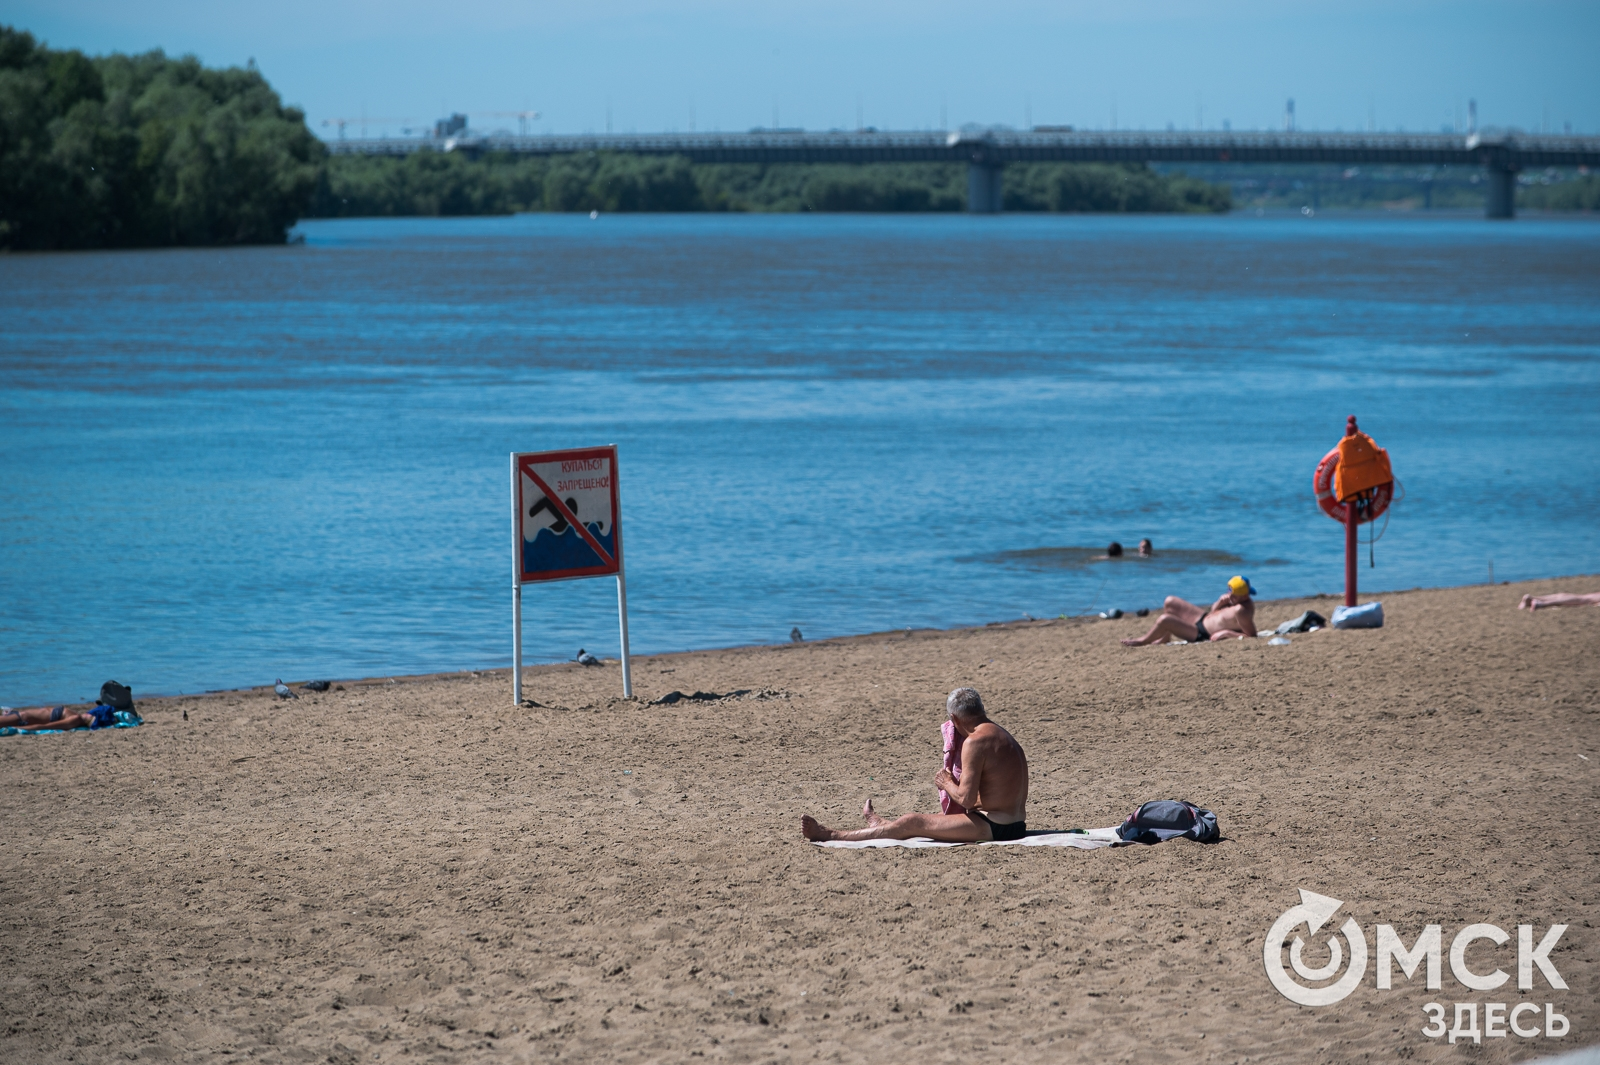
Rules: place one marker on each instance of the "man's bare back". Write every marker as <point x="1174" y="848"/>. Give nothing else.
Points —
<point x="994" y="775"/>
<point x="993" y="787"/>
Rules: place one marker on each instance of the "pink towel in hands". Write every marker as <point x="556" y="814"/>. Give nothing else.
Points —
<point x="952" y="762"/>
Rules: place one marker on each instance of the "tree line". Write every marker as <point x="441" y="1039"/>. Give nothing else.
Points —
<point x="148" y="150"/>
<point x="434" y="183"/>
<point x="144" y="150"/>
<point x="1581" y="194"/>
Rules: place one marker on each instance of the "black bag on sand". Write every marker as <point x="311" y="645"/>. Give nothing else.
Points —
<point x="1164" y="819"/>
<point x="117" y="696"/>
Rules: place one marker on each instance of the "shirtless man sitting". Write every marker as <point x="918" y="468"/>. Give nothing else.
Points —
<point x="1231" y="617"/>
<point x="993" y="788"/>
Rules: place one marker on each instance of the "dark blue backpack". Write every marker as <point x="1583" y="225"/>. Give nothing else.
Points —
<point x="1164" y="819"/>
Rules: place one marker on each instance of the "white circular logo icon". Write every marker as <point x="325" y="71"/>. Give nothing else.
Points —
<point x="1313" y="912"/>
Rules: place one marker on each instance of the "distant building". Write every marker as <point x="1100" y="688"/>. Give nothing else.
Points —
<point x="449" y="127"/>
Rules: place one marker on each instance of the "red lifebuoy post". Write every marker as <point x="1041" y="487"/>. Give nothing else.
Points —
<point x="1353" y="484"/>
<point x="1350" y="543"/>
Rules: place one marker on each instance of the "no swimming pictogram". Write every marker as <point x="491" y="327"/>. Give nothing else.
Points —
<point x="566" y="524"/>
<point x="568" y="515"/>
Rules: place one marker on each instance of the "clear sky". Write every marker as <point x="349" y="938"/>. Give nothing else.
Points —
<point x="717" y="64"/>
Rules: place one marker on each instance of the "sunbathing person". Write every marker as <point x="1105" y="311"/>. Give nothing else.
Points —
<point x="1231" y="617"/>
<point x="993" y="788"/>
<point x="44" y="718"/>
<point x="1540" y="602"/>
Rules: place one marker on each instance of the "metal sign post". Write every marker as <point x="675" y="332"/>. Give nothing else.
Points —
<point x="566" y="524"/>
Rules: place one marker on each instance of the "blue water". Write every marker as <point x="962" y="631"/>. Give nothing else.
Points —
<point x="222" y="467"/>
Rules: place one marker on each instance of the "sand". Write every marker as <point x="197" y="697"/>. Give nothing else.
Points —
<point x="416" y="871"/>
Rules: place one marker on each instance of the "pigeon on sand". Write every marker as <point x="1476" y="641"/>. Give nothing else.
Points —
<point x="584" y="658"/>
<point x="283" y="690"/>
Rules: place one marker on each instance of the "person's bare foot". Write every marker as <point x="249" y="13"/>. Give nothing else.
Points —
<point x="870" y="816"/>
<point x="1133" y="643"/>
<point x="810" y="829"/>
<point x="1527" y="599"/>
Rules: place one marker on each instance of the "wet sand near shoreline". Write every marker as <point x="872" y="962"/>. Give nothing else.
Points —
<point x="417" y="871"/>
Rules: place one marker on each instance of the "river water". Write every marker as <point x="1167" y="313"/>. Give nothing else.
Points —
<point x="219" y="467"/>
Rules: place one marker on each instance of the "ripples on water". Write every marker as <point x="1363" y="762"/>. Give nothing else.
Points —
<point x="226" y="466"/>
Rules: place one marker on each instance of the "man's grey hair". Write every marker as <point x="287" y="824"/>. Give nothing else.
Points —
<point x="964" y="703"/>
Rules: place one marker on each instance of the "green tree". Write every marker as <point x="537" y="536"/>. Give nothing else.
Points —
<point x="144" y="150"/>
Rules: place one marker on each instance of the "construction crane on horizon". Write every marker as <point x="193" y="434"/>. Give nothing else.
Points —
<point x="522" y="117"/>
<point x="363" y="122"/>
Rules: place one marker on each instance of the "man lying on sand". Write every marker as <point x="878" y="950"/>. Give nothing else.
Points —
<point x="1540" y="602"/>
<point x="43" y="718"/>
<point x="1232" y="617"/>
<point x="993" y="788"/>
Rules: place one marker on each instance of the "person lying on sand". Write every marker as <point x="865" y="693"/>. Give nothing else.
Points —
<point x="993" y="788"/>
<point x="1231" y="617"/>
<point x="1539" y="602"/>
<point x="42" y="718"/>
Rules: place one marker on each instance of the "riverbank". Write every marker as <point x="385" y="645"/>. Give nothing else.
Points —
<point x="416" y="870"/>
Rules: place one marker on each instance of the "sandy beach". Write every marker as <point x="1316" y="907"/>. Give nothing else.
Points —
<point x="413" y="870"/>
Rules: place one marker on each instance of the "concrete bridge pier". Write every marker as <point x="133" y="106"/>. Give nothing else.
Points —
<point x="983" y="187"/>
<point x="1502" y="192"/>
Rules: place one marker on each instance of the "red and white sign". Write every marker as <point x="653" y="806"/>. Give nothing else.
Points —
<point x="566" y="523"/>
<point x="568" y="517"/>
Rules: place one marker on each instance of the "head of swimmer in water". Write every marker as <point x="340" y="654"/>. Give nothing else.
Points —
<point x="965" y="708"/>
<point x="1146" y="548"/>
<point x="1114" y="551"/>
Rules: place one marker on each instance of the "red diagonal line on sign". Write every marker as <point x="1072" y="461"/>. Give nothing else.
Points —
<point x="570" y="518"/>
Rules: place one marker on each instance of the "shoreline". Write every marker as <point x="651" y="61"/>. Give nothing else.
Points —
<point x="530" y="671"/>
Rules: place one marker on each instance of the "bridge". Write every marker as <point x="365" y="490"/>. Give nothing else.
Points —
<point x="987" y="151"/>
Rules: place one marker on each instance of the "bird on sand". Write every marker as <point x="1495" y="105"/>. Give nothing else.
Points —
<point x="283" y="690"/>
<point x="314" y="686"/>
<point x="584" y="658"/>
<point x="794" y="635"/>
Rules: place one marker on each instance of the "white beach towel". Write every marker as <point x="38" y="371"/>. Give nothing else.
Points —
<point x="1094" y="839"/>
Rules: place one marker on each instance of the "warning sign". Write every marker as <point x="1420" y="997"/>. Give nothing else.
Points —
<point x="567" y="514"/>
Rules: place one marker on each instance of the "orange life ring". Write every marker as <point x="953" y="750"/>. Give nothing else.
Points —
<point x="1322" y="485"/>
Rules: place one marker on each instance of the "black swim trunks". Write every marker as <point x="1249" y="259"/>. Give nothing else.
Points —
<point x="1003" y="833"/>
<point x="1201" y="635"/>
